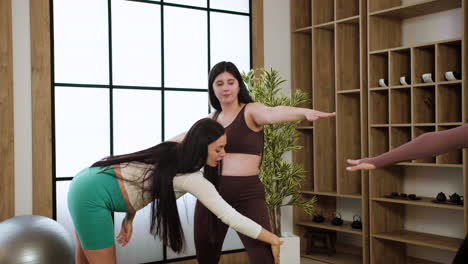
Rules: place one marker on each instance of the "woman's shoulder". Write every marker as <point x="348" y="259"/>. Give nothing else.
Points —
<point x="183" y="181"/>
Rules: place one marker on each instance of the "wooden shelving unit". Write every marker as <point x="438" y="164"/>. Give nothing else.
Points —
<point x="341" y="49"/>
<point x="399" y="113"/>
<point x="330" y="64"/>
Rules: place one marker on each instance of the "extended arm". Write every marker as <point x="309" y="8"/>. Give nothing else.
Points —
<point x="426" y="145"/>
<point x="207" y="194"/>
<point x="264" y="115"/>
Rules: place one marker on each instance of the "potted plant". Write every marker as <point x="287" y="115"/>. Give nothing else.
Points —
<point x="282" y="179"/>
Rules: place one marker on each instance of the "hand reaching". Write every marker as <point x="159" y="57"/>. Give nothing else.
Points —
<point x="359" y="166"/>
<point x="125" y="232"/>
<point x="313" y="115"/>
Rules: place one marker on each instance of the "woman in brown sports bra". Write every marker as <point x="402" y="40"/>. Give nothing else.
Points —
<point x="239" y="183"/>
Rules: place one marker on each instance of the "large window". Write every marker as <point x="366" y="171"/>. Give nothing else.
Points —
<point x="128" y="74"/>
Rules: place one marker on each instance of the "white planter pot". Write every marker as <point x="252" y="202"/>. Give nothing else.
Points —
<point x="290" y="250"/>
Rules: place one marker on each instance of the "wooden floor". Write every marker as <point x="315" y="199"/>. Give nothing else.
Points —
<point x="241" y="258"/>
<point x="234" y="258"/>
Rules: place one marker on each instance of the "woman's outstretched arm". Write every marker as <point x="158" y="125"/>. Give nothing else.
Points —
<point x="196" y="184"/>
<point x="265" y="115"/>
<point x="426" y="145"/>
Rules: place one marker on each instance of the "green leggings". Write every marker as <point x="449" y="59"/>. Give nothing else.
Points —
<point x="92" y="198"/>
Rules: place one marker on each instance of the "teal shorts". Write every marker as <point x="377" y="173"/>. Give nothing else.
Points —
<point x="93" y="196"/>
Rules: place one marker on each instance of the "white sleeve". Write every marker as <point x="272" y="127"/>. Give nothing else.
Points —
<point x="207" y="194"/>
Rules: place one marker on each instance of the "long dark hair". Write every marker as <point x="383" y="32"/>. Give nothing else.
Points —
<point x="226" y="66"/>
<point x="168" y="159"/>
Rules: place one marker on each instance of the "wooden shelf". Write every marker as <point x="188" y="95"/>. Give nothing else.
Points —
<point x="396" y="87"/>
<point x="337" y="258"/>
<point x="327" y="26"/>
<point x="378" y="89"/>
<point x="305" y="127"/>
<point x="450" y="124"/>
<point x="425" y="202"/>
<point x="306" y="30"/>
<point x="422" y="85"/>
<point x="419" y="9"/>
<point x="353" y="44"/>
<point x="424" y="124"/>
<point x="422" y="239"/>
<point x="448" y="83"/>
<point x="348" y="20"/>
<point x="410" y="260"/>
<point x="332" y="194"/>
<point x="446" y="41"/>
<point x="345" y="228"/>
<point x="400" y="125"/>
<point x="349" y="91"/>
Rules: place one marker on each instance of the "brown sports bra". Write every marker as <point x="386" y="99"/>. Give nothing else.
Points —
<point x="240" y="138"/>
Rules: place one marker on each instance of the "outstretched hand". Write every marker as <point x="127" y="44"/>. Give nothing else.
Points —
<point x="313" y="115"/>
<point x="125" y="232"/>
<point x="356" y="165"/>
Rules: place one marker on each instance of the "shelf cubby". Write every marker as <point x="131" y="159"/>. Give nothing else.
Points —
<point x="378" y="103"/>
<point x="449" y="103"/>
<point x="378" y="69"/>
<point x="390" y="223"/>
<point x="453" y="157"/>
<point x="348" y="141"/>
<point x="424" y="104"/>
<point x="389" y="250"/>
<point x="323" y="11"/>
<point x="301" y="66"/>
<point x="346" y="8"/>
<point x="384" y="33"/>
<point x="423" y="63"/>
<point x="449" y="58"/>
<point x="398" y="8"/>
<point x="347" y="56"/>
<point x="304" y="20"/>
<point x="379" y="141"/>
<point x="400" y="106"/>
<point x="378" y="5"/>
<point x="399" y="136"/>
<point x="400" y="65"/>
<point x="325" y="163"/>
<point x="386" y="180"/>
<point x="304" y="157"/>
<point x="345" y="253"/>
<point x="417" y="131"/>
<point x="324" y="91"/>
<point x="422" y="239"/>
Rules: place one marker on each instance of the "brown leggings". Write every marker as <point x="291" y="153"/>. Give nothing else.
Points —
<point x="246" y="194"/>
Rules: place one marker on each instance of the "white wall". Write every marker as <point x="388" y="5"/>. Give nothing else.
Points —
<point x="22" y="107"/>
<point x="277" y="39"/>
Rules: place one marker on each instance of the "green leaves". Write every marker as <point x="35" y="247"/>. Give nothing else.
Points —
<point x="280" y="178"/>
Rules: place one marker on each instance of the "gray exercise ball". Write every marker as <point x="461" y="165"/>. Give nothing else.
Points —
<point x="34" y="239"/>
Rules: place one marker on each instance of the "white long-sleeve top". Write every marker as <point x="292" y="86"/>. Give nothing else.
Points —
<point x="194" y="183"/>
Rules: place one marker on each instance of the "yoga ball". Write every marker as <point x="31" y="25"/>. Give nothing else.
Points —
<point x="34" y="239"/>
